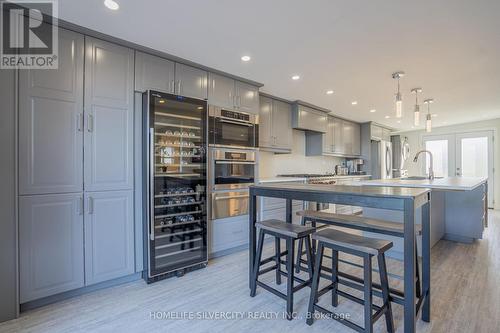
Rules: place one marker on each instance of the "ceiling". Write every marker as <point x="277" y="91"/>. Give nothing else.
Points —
<point x="450" y="48"/>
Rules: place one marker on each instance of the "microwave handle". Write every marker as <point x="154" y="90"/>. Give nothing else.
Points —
<point x="235" y="122"/>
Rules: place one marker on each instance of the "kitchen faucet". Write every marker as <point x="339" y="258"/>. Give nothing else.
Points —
<point x="431" y="169"/>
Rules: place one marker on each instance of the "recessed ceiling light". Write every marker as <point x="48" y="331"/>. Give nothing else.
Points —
<point x="435" y="115"/>
<point x="399" y="121"/>
<point x="373" y="110"/>
<point x="329" y="92"/>
<point x="387" y="117"/>
<point x="295" y="77"/>
<point x="245" y="58"/>
<point x="111" y="4"/>
<point x="354" y="102"/>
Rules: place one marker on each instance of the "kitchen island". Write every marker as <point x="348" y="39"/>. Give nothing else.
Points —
<point x="458" y="206"/>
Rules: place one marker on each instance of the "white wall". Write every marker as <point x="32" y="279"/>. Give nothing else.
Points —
<point x="415" y="141"/>
<point x="272" y="164"/>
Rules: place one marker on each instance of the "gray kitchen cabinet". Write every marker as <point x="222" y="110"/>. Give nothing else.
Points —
<point x="50" y="244"/>
<point x="221" y="91"/>
<point x="109" y="235"/>
<point x="386" y="134"/>
<point x="348" y="136"/>
<point x="190" y="81"/>
<point x="228" y="233"/>
<point x="338" y="136"/>
<point x="275" y="127"/>
<point x="282" y="125"/>
<point x="376" y="132"/>
<point x="153" y="73"/>
<point x="247" y="97"/>
<point x="309" y="119"/>
<point x="356" y="139"/>
<point x="233" y="95"/>
<point x="266" y="138"/>
<point x="51" y="122"/>
<point x="109" y="116"/>
<point x="329" y="137"/>
<point x="342" y="138"/>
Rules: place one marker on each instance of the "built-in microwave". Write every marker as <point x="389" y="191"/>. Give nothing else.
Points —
<point x="232" y="128"/>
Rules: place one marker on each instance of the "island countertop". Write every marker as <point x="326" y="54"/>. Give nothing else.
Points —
<point x="448" y="183"/>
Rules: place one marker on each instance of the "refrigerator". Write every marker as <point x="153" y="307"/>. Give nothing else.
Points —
<point x="175" y="179"/>
<point x="381" y="164"/>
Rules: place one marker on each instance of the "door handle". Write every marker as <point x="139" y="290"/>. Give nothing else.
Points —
<point x="80" y="206"/>
<point x="79" y="122"/>
<point x="90" y="205"/>
<point x="151" y="185"/>
<point x="232" y="197"/>
<point x="90" y="123"/>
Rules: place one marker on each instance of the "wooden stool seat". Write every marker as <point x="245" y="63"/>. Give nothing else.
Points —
<point x="346" y="240"/>
<point x="285" y="229"/>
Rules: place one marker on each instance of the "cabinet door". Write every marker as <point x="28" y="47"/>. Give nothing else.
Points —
<point x="282" y="124"/>
<point x="376" y="132"/>
<point x="386" y="134"/>
<point x="356" y="138"/>
<point x="347" y="135"/>
<point x="153" y="73"/>
<point x="109" y="72"/>
<point x="247" y="97"/>
<point x="109" y="235"/>
<point x="338" y="133"/>
<point x="190" y="81"/>
<point x="221" y="91"/>
<point x="328" y="137"/>
<point x="50" y="122"/>
<point x="50" y="244"/>
<point x="266" y="138"/>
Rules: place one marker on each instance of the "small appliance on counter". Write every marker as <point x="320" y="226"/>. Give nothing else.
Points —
<point x="341" y="170"/>
<point x="354" y="167"/>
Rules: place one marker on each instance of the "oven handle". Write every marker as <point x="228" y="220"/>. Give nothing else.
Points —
<point x="232" y="197"/>
<point x="235" y="162"/>
<point x="234" y="122"/>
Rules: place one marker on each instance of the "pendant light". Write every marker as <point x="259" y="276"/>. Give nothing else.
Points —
<point x="416" y="112"/>
<point x="428" y="118"/>
<point x="399" y="98"/>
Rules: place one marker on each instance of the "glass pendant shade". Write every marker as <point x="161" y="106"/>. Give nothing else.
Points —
<point x="416" y="115"/>
<point x="428" y="123"/>
<point x="399" y="106"/>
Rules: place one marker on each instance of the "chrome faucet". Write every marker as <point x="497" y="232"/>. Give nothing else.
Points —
<point x="431" y="164"/>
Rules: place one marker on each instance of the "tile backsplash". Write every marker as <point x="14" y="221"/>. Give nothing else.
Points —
<point x="271" y="164"/>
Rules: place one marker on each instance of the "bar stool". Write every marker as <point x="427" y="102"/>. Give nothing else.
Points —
<point x="290" y="232"/>
<point x="365" y="248"/>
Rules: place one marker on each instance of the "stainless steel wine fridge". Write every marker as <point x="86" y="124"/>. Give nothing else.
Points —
<point x="175" y="173"/>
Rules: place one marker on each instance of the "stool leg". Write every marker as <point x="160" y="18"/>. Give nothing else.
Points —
<point x="309" y="255"/>
<point x="418" y="289"/>
<point x="367" y="268"/>
<point x="277" y="259"/>
<point x="335" y="277"/>
<point x="290" y="244"/>
<point x="384" y="282"/>
<point x="313" y="224"/>
<point x="315" y="283"/>
<point x="256" y="266"/>
<point x="299" y="252"/>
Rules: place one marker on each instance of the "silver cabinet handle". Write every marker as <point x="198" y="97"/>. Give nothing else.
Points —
<point x="80" y="206"/>
<point x="90" y="205"/>
<point x="172" y="86"/>
<point x="90" y="123"/>
<point x="232" y="197"/>
<point x="79" y="122"/>
<point x="179" y="91"/>
<point x="151" y="185"/>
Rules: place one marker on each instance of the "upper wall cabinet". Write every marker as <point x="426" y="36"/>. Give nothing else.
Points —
<point x="51" y="122"/>
<point x="343" y="138"/>
<point x="109" y="72"/>
<point x="160" y="74"/>
<point x="231" y="94"/>
<point x="153" y="73"/>
<point x="309" y="119"/>
<point x="275" y="125"/>
<point x="378" y="133"/>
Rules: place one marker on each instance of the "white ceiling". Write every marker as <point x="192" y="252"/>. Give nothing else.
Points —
<point x="451" y="48"/>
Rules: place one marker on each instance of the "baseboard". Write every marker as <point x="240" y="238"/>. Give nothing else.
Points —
<point x="458" y="238"/>
<point x="77" y="292"/>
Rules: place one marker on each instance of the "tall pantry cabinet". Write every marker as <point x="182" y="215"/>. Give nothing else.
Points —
<point x="76" y="168"/>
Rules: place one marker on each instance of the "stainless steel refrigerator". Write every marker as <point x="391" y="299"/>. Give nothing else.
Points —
<point x="381" y="164"/>
<point x="175" y="176"/>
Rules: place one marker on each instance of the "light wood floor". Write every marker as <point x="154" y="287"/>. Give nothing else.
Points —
<point x="465" y="298"/>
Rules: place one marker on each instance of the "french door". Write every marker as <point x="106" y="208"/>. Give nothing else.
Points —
<point x="464" y="155"/>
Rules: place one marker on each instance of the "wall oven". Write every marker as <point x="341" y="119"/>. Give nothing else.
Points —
<point x="231" y="128"/>
<point x="232" y="171"/>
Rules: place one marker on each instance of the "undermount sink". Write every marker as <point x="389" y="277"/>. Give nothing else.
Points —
<point x="417" y="178"/>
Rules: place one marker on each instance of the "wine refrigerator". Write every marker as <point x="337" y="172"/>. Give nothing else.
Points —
<point x="175" y="176"/>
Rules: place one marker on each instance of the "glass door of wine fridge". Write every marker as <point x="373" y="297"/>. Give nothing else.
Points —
<point x="176" y="176"/>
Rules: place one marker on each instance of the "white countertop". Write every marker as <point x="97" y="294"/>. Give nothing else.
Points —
<point x="449" y="183"/>
<point x="302" y="179"/>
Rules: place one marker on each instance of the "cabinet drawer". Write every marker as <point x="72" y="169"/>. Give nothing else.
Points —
<point x="228" y="233"/>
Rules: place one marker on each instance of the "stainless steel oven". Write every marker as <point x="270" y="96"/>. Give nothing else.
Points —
<point x="232" y="171"/>
<point x="231" y="128"/>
